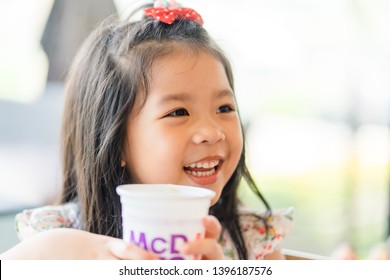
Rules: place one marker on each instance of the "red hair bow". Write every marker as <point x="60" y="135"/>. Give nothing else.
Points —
<point x="169" y="15"/>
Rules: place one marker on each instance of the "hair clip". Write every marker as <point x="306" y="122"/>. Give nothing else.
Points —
<point x="169" y="11"/>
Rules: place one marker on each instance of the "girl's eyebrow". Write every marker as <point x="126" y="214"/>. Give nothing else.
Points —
<point x="166" y="99"/>
<point x="224" y="93"/>
<point x="183" y="97"/>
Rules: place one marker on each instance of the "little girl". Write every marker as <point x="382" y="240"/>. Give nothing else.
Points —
<point x="150" y="101"/>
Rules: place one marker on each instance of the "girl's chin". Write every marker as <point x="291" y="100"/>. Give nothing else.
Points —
<point x="213" y="201"/>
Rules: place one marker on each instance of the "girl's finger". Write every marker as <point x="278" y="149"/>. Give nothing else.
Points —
<point x="208" y="248"/>
<point x="124" y="251"/>
<point x="212" y="226"/>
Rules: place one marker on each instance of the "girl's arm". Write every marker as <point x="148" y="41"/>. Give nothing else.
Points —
<point x="275" y="255"/>
<point x="65" y="243"/>
<point x="74" y="244"/>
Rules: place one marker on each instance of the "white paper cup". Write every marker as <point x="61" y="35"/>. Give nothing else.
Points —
<point x="160" y="217"/>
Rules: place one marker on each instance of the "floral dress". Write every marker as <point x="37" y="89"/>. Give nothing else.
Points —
<point x="259" y="244"/>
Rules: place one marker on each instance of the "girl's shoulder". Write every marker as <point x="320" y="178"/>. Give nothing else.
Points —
<point x="263" y="233"/>
<point x="32" y="221"/>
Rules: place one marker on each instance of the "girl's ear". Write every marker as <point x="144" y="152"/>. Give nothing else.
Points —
<point x="123" y="163"/>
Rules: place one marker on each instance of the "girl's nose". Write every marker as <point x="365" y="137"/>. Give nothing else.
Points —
<point x="209" y="134"/>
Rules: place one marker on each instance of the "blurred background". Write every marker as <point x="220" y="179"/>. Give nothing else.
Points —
<point x="312" y="83"/>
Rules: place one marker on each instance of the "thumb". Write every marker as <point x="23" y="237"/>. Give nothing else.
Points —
<point x="212" y="226"/>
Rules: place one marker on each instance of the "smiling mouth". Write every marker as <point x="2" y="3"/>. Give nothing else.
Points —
<point x="203" y="169"/>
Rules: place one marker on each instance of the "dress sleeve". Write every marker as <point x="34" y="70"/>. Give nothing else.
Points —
<point x="258" y="242"/>
<point x="32" y="221"/>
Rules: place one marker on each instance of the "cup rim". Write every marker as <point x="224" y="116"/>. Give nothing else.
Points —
<point x="169" y="191"/>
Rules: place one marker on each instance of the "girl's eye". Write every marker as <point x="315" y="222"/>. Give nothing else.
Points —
<point x="178" y="113"/>
<point x="225" y="109"/>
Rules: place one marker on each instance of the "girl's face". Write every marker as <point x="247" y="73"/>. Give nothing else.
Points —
<point x="188" y="131"/>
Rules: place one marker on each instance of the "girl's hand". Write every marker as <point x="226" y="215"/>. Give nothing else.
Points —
<point x="76" y="245"/>
<point x="207" y="247"/>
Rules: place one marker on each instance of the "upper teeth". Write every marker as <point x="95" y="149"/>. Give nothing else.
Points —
<point x="210" y="164"/>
